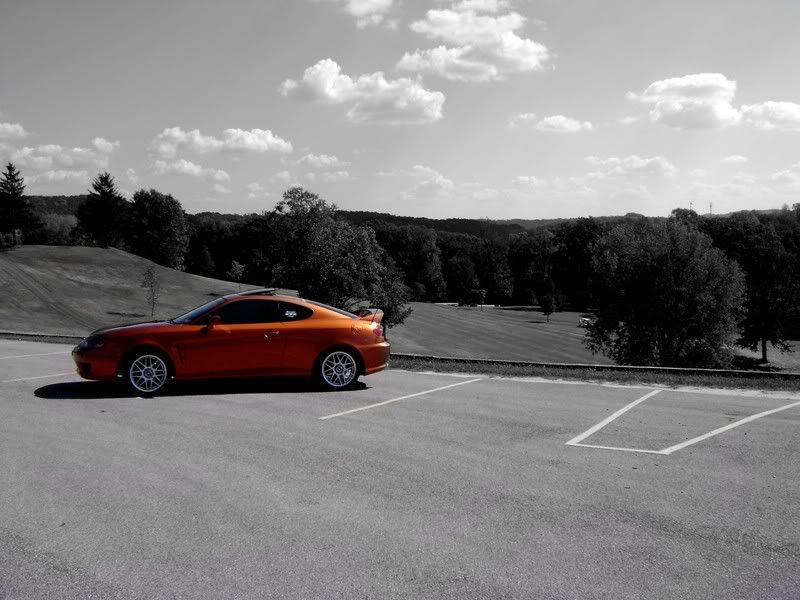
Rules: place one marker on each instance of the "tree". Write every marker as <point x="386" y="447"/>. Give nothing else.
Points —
<point x="546" y="294"/>
<point x="151" y="283"/>
<point x="15" y="212"/>
<point x="529" y="260"/>
<point x="334" y="261"/>
<point x="236" y="272"/>
<point x="665" y="296"/>
<point x="102" y="216"/>
<point x="159" y="229"/>
<point x="773" y="291"/>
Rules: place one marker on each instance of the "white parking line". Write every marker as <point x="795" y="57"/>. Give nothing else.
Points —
<point x="37" y="377"/>
<point x="577" y="439"/>
<point x="705" y="436"/>
<point x="385" y="402"/>
<point x="29" y="355"/>
<point x="619" y="449"/>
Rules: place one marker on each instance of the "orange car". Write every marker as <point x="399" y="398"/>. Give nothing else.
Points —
<point x="252" y="334"/>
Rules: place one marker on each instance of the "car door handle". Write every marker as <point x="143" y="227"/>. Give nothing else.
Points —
<point x="269" y="333"/>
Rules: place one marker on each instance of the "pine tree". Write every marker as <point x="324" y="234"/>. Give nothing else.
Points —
<point x="15" y="211"/>
<point x="102" y="216"/>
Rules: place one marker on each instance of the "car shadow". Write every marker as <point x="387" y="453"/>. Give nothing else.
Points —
<point x="89" y="390"/>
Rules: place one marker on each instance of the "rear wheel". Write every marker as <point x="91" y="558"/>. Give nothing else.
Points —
<point x="147" y="373"/>
<point x="337" y="370"/>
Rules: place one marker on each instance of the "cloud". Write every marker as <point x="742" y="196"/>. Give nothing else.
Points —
<point x="220" y="189"/>
<point x="790" y="176"/>
<point x="744" y="179"/>
<point x="104" y="146"/>
<point x="365" y="12"/>
<point x="697" y="173"/>
<point x="522" y="119"/>
<point x="528" y="181"/>
<point x="695" y="102"/>
<point x="283" y="176"/>
<point x="46" y="156"/>
<point x="172" y="139"/>
<point x="320" y="161"/>
<point x="450" y="63"/>
<point x="372" y="97"/>
<point x="477" y="46"/>
<point x="562" y="124"/>
<point x="773" y="116"/>
<point x="255" y="191"/>
<point x="734" y="159"/>
<point x="12" y="131"/>
<point x="59" y="176"/>
<point x="185" y="167"/>
<point x="132" y="177"/>
<point x="633" y="165"/>
<point x="336" y="176"/>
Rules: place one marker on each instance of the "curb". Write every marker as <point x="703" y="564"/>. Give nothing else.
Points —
<point x="599" y="368"/>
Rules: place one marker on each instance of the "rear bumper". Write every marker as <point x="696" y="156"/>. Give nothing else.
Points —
<point x="376" y="357"/>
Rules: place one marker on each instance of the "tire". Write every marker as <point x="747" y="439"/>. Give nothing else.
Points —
<point x="147" y="373"/>
<point x="337" y="370"/>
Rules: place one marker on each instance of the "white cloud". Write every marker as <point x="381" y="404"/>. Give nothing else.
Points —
<point x="744" y="179"/>
<point x="132" y="177"/>
<point x="632" y="166"/>
<point x="105" y="146"/>
<point x="283" y="176"/>
<point x="521" y="119"/>
<point x="185" y="167"/>
<point x="172" y="139"/>
<point x="59" y="176"/>
<point x="366" y="12"/>
<point x="699" y="101"/>
<point x="255" y="191"/>
<point x="450" y="63"/>
<point x="372" y="97"/>
<point x="697" y="173"/>
<point x="734" y="159"/>
<point x="320" y="161"/>
<point x="335" y="176"/>
<point x="780" y="116"/>
<point x="46" y="156"/>
<point x="562" y="124"/>
<point x="790" y="176"/>
<point x="483" y="46"/>
<point x="528" y="181"/>
<point x="220" y="189"/>
<point x="12" y="131"/>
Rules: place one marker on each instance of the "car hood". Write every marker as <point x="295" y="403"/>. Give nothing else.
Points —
<point x="134" y="328"/>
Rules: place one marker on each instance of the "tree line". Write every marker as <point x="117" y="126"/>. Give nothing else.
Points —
<point x="676" y="291"/>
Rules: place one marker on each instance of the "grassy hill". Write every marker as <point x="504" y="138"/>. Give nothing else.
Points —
<point x="75" y="289"/>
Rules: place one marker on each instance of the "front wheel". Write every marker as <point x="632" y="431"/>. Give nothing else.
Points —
<point x="337" y="370"/>
<point x="147" y="373"/>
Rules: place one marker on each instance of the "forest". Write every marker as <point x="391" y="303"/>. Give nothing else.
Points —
<point x="674" y="291"/>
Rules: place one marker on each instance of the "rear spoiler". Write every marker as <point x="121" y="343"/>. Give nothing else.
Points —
<point x="373" y="315"/>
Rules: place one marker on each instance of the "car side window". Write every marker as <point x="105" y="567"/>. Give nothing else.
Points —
<point x="294" y="312"/>
<point x="250" y="311"/>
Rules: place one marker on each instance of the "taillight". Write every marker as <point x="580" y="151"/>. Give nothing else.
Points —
<point x="378" y="331"/>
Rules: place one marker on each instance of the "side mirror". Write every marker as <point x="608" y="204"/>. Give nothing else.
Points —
<point x="213" y="322"/>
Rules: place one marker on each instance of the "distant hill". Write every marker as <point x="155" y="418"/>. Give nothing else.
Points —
<point x="60" y="205"/>
<point x="470" y="226"/>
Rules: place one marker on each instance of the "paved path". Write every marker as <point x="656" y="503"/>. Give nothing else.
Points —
<point x="439" y="487"/>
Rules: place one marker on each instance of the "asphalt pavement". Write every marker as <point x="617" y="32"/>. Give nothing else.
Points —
<point x="413" y="485"/>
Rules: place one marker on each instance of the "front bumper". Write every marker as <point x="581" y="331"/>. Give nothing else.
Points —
<point x="95" y="365"/>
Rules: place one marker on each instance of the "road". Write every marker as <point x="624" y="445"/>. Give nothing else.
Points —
<point x="415" y="485"/>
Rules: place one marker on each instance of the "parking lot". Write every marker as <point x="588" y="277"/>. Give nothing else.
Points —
<point x="414" y="485"/>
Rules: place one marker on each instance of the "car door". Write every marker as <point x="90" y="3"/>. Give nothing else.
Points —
<point x="247" y="341"/>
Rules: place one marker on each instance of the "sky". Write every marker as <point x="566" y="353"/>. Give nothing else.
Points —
<point x="475" y="108"/>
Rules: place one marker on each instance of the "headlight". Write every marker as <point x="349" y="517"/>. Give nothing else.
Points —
<point x="91" y="342"/>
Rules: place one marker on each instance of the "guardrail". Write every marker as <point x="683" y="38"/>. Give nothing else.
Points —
<point x="597" y="367"/>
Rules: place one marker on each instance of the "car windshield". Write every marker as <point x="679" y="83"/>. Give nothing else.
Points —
<point x="198" y="312"/>
<point x="334" y="309"/>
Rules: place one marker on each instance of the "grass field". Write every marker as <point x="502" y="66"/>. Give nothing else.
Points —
<point x="498" y="333"/>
